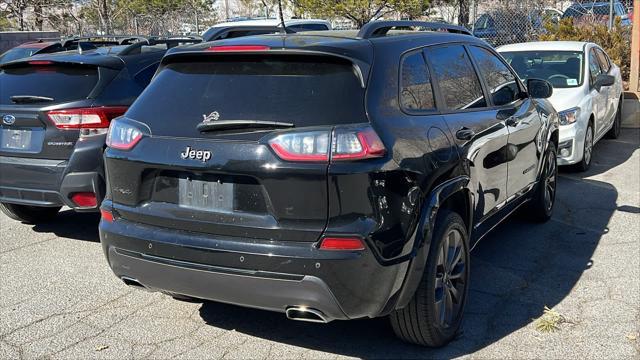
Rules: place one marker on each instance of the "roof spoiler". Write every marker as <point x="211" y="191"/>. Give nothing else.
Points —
<point x="361" y="68"/>
<point x="375" y="29"/>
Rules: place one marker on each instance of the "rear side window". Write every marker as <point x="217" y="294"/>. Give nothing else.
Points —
<point x="456" y="77"/>
<point x="62" y="83"/>
<point x="308" y="27"/>
<point x="416" y="93"/>
<point x="305" y="91"/>
<point x="502" y="83"/>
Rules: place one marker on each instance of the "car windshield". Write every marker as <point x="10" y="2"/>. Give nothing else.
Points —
<point x="17" y="53"/>
<point x="563" y="69"/>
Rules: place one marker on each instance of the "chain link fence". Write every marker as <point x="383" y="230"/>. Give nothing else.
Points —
<point x="506" y="22"/>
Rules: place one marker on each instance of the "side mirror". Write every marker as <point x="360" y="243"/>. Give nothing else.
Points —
<point x="539" y="89"/>
<point x="604" y="80"/>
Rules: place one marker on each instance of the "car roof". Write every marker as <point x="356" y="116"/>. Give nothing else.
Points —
<point x="545" y="46"/>
<point x="37" y="44"/>
<point x="116" y="59"/>
<point x="592" y="4"/>
<point x="341" y="43"/>
<point x="271" y="22"/>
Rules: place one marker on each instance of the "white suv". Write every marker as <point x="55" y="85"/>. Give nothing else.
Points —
<point x="233" y="29"/>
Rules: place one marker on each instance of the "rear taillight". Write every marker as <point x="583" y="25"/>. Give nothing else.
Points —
<point x="40" y="62"/>
<point x="238" y="48"/>
<point x="302" y="146"/>
<point x="340" y="243"/>
<point x="106" y="215"/>
<point x="86" y="118"/>
<point x="321" y="146"/>
<point x="123" y="136"/>
<point x="85" y="199"/>
<point x="355" y="145"/>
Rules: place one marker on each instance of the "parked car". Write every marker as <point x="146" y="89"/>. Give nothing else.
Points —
<point x="598" y="11"/>
<point x="587" y="92"/>
<point x="55" y="110"/>
<point x="508" y="26"/>
<point x="274" y="188"/>
<point x="248" y="27"/>
<point x="47" y="46"/>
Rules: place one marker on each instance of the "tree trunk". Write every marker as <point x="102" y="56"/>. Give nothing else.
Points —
<point x="463" y="14"/>
<point x="37" y="9"/>
<point x="104" y="16"/>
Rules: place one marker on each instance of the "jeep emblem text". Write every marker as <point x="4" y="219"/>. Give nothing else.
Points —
<point x="202" y="155"/>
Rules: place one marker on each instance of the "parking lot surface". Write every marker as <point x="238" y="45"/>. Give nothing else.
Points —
<point x="59" y="299"/>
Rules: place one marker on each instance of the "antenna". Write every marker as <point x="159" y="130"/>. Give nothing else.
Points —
<point x="284" y="27"/>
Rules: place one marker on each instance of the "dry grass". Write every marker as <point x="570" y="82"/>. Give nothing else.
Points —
<point x="549" y="321"/>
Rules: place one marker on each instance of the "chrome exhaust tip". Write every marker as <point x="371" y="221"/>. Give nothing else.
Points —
<point x="132" y="282"/>
<point x="303" y="313"/>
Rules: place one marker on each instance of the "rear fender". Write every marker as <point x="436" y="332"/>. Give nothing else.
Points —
<point x="424" y="233"/>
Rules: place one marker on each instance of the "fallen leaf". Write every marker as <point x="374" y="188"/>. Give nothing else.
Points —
<point x="102" y="347"/>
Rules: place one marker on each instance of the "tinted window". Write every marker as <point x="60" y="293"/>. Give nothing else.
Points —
<point x="456" y="77"/>
<point x="604" y="61"/>
<point x="45" y="81"/>
<point x="415" y="88"/>
<point x="144" y="76"/>
<point x="17" y="53"/>
<point x="594" y="66"/>
<point x="308" y="27"/>
<point x="563" y="69"/>
<point x="306" y="91"/>
<point x="501" y="82"/>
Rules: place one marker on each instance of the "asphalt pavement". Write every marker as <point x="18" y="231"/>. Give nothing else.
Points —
<point x="59" y="299"/>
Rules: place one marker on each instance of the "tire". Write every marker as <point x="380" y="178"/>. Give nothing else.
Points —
<point x="614" y="132"/>
<point x="422" y="321"/>
<point x="544" y="198"/>
<point x="587" y="151"/>
<point x="29" y="214"/>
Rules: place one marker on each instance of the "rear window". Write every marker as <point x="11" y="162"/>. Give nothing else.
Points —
<point x="62" y="83"/>
<point x="305" y="91"/>
<point x="17" y="53"/>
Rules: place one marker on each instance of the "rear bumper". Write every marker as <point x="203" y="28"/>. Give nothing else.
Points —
<point x="31" y="181"/>
<point x="259" y="274"/>
<point x="51" y="183"/>
<point x="268" y="291"/>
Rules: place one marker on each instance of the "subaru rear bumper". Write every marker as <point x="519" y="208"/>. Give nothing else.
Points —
<point x="51" y="183"/>
<point x="267" y="275"/>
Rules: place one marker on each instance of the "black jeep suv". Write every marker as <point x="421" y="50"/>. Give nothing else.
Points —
<point x="54" y="113"/>
<point x="327" y="176"/>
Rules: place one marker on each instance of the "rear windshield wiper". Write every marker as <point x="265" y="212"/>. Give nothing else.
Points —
<point x="240" y="124"/>
<point x="29" y="99"/>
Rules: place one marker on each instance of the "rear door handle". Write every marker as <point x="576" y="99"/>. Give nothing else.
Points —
<point x="465" y="134"/>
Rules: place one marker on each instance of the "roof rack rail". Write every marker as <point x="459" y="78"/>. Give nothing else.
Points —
<point x="171" y="42"/>
<point x="381" y="28"/>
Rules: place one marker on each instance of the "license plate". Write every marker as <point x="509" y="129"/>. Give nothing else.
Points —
<point x="205" y="195"/>
<point x="15" y="139"/>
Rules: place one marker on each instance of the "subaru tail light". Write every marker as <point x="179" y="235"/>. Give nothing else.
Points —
<point x="85" y="199"/>
<point x="123" y="136"/>
<point x="90" y="121"/>
<point x="341" y="144"/>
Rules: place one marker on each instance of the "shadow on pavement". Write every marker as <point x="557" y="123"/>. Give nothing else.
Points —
<point x="72" y="225"/>
<point x="609" y="153"/>
<point x="517" y="270"/>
